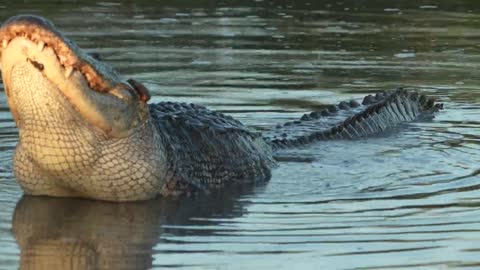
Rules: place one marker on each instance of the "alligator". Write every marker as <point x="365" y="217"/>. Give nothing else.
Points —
<point x="86" y="132"/>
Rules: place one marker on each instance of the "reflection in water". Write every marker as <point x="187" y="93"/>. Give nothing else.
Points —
<point x="78" y="234"/>
<point x="60" y="233"/>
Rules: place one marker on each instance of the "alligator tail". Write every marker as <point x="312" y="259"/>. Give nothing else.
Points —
<point x="350" y="120"/>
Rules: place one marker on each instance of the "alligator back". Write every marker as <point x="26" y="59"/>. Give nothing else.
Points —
<point x="207" y="149"/>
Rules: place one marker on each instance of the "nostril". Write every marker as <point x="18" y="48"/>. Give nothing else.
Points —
<point x="36" y="64"/>
<point x="95" y="56"/>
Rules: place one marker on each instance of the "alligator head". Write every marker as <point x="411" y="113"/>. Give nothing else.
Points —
<point x="73" y="112"/>
<point x="33" y="52"/>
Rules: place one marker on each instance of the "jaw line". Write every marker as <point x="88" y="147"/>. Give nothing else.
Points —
<point x="115" y="117"/>
<point x="101" y="78"/>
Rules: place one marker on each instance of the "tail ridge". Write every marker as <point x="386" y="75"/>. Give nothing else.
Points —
<point x="376" y="114"/>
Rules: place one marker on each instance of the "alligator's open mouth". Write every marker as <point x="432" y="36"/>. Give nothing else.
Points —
<point x="40" y="32"/>
<point x="75" y="73"/>
<point x="43" y="33"/>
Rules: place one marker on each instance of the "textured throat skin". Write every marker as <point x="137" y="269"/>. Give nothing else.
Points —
<point x="84" y="132"/>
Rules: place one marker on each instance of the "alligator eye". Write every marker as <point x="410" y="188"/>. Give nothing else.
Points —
<point x="123" y="92"/>
<point x="36" y="64"/>
<point x="142" y="91"/>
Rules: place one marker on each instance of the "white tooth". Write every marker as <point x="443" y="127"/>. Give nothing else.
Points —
<point x="41" y="45"/>
<point x="5" y="43"/>
<point x="62" y="59"/>
<point x="68" y="72"/>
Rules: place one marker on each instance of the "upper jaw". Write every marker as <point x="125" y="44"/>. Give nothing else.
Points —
<point x="37" y="29"/>
<point x="91" y="86"/>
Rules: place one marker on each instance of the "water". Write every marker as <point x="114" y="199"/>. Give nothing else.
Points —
<point x="407" y="200"/>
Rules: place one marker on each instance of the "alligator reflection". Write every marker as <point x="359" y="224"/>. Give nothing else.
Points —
<point x="60" y="233"/>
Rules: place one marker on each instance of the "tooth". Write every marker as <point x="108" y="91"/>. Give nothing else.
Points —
<point x="68" y="72"/>
<point x="5" y="43"/>
<point x="62" y="59"/>
<point x="41" y="45"/>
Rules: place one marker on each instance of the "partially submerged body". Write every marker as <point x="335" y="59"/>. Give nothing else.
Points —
<point x="84" y="132"/>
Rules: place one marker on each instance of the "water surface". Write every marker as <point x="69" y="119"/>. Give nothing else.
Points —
<point x="406" y="200"/>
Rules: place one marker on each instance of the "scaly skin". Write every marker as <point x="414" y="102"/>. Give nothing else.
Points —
<point x="84" y="132"/>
